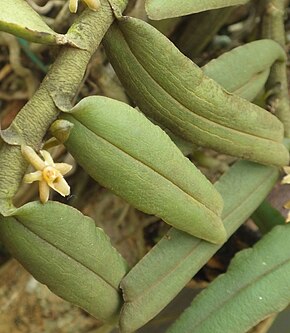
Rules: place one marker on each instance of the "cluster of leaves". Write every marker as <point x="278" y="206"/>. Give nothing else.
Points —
<point x="139" y="154"/>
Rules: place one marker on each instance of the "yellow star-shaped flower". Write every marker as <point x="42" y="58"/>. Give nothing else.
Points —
<point x="92" y="4"/>
<point x="48" y="173"/>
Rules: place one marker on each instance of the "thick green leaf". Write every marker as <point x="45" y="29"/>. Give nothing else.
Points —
<point x="178" y="256"/>
<point x="267" y="217"/>
<point x="122" y="150"/>
<point x="253" y="70"/>
<point x="171" y="89"/>
<point x="255" y="286"/>
<point x="245" y="69"/>
<point x="162" y="9"/>
<point x="64" y="249"/>
<point x="19" y="19"/>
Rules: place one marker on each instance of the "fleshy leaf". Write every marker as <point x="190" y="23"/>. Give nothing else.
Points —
<point x="122" y="150"/>
<point x="255" y="286"/>
<point x="19" y="19"/>
<point x="172" y="90"/>
<point x="244" y="70"/>
<point x="162" y="9"/>
<point x="255" y="62"/>
<point x="64" y="249"/>
<point x="243" y="188"/>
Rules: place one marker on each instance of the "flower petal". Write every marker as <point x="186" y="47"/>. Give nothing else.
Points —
<point x="43" y="191"/>
<point x="32" y="177"/>
<point x="287" y="205"/>
<point x="60" y="186"/>
<point x="31" y="157"/>
<point x="63" y="168"/>
<point x="47" y="157"/>
<point x="93" y="4"/>
<point x="73" y="6"/>
<point x="288" y="218"/>
<point x="286" y="169"/>
<point x="286" y="180"/>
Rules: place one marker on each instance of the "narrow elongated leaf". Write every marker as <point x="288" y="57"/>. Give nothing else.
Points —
<point x="19" y="19"/>
<point x="243" y="188"/>
<point x="162" y="9"/>
<point x="63" y="249"/>
<point x="245" y="69"/>
<point x="120" y="148"/>
<point x="171" y="89"/>
<point x="255" y="286"/>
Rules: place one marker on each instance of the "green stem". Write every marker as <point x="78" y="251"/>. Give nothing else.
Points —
<point x="273" y="28"/>
<point x="62" y="81"/>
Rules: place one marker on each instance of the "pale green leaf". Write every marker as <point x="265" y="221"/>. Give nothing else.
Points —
<point x="172" y="90"/>
<point x="64" y="249"/>
<point x="19" y="19"/>
<point x="243" y="188"/>
<point x="162" y="9"/>
<point x="245" y="69"/>
<point x="254" y="61"/>
<point x="122" y="150"/>
<point x="255" y="286"/>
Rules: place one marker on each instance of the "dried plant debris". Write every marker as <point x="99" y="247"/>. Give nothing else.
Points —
<point x="29" y="299"/>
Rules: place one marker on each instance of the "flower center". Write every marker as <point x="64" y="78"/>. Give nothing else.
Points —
<point x="50" y="174"/>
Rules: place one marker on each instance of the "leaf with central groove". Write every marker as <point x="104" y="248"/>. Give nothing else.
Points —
<point x="19" y="19"/>
<point x="255" y="286"/>
<point x="172" y="90"/>
<point x="243" y="188"/>
<point x="64" y="249"/>
<point x="162" y="9"/>
<point x="254" y="67"/>
<point x="122" y="150"/>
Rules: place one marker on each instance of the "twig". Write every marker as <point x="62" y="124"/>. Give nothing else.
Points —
<point x="13" y="96"/>
<point x="273" y="27"/>
<point x="47" y="7"/>
<point x="5" y="71"/>
<point x="19" y="69"/>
